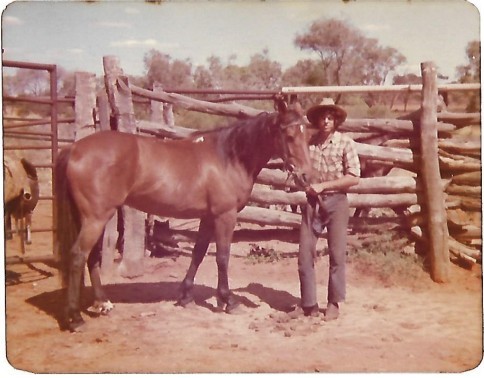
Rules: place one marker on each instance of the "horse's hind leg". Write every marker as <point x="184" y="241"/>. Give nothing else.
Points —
<point x="205" y="232"/>
<point x="101" y="303"/>
<point x="88" y="235"/>
<point x="75" y="269"/>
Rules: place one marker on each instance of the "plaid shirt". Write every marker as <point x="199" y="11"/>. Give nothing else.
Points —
<point x="335" y="158"/>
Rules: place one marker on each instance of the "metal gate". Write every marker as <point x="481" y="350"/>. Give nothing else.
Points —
<point x="30" y="136"/>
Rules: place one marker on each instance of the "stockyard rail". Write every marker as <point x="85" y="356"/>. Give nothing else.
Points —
<point x="427" y="198"/>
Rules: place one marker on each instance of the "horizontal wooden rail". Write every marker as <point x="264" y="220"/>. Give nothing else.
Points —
<point x="377" y="88"/>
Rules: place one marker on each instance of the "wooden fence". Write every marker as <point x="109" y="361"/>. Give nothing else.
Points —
<point x="439" y="190"/>
<point x="442" y="171"/>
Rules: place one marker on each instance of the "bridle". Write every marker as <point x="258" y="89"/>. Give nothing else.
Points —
<point x="292" y="172"/>
<point x="281" y="105"/>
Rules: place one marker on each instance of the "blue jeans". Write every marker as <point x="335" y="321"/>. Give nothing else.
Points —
<point x="336" y="211"/>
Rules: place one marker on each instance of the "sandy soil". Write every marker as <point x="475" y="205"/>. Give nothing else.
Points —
<point x="406" y="324"/>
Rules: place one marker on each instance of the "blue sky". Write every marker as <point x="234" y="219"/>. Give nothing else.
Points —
<point x="76" y="35"/>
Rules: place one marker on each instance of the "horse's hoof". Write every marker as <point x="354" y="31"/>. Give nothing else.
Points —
<point x="106" y="307"/>
<point x="101" y="308"/>
<point x="184" y="301"/>
<point x="234" y="308"/>
<point x="75" y="324"/>
<point x="227" y="305"/>
<point x="77" y="327"/>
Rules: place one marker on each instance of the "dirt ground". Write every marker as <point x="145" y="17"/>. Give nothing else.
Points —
<point x="407" y="324"/>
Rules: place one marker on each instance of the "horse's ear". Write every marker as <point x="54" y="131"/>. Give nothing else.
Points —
<point x="298" y="108"/>
<point x="280" y="104"/>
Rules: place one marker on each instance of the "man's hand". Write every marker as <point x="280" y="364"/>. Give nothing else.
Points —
<point x="342" y="184"/>
<point x="315" y="189"/>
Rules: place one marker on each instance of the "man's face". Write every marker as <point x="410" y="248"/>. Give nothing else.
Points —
<point x="326" y="122"/>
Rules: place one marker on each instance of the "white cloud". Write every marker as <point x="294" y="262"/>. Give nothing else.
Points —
<point x="114" y="24"/>
<point x="75" y="51"/>
<point x="375" y="27"/>
<point x="130" y="10"/>
<point x="135" y="42"/>
<point x="11" y="20"/>
<point x="149" y="42"/>
<point x="409" y="68"/>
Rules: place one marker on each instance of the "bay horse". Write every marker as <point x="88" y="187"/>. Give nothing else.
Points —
<point x="208" y="175"/>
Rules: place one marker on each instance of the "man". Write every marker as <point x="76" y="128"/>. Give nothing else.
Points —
<point x="336" y="163"/>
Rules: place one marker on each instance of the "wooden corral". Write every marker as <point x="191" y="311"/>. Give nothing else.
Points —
<point x="437" y="177"/>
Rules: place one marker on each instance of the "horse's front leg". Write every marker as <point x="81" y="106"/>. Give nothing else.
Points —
<point x="28" y="228"/>
<point x="224" y="230"/>
<point x="101" y="305"/>
<point x="205" y="233"/>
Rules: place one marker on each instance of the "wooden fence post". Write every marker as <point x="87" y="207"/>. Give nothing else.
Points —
<point x="431" y="179"/>
<point x="120" y="99"/>
<point x="84" y="104"/>
<point x="157" y="106"/>
<point x="168" y="117"/>
<point x="103" y="111"/>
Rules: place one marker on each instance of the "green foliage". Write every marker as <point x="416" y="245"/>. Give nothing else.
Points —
<point x="170" y="73"/>
<point x="384" y="257"/>
<point x="259" y="254"/>
<point x="471" y="73"/>
<point x="347" y="56"/>
<point x="379" y="111"/>
<point x="198" y="121"/>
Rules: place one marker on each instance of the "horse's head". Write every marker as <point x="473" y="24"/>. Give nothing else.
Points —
<point x="291" y="145"/>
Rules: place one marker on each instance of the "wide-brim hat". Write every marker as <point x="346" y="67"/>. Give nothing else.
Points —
<point x="326" y="105"/>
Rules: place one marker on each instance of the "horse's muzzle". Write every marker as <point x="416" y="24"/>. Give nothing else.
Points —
<point x="301" y="178"/>
<point x="26" y="196"/>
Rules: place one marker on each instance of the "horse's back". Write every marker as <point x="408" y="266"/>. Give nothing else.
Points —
<point x="110" y="168"/>
<point x="180" y="178"/>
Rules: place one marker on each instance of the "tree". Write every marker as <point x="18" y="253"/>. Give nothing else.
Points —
<point x="348" y="57"/>
<point x="402" y="80"/>
<point x="263" y="72"/>
<point x="471" y="73"/>
<point x="304" y="72"/>
<point x="27" y="82"/>
<point x="162" y="69"/>
<point x="334" y="41"/>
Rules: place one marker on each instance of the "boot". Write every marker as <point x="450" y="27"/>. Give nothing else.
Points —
<point x="332" y="312"/>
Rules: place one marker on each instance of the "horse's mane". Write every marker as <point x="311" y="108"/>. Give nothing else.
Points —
<point x="238" y="140"/>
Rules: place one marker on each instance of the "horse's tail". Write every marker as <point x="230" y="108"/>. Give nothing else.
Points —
<point x="67" y="216"/>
